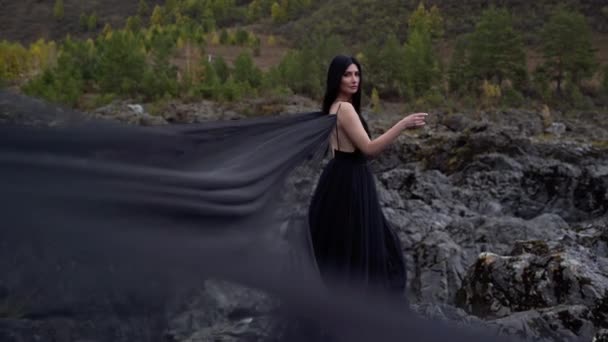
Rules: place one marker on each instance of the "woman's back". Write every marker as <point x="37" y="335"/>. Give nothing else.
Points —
<point x="340" y="140"/>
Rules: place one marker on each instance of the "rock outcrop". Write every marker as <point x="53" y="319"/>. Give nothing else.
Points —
<point x="504" y="224"/>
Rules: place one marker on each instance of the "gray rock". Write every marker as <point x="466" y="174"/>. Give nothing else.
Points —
<point x="224" y="312"/>
<point x="539" y="290"/>
<point x="562" y="323"/>
<point x="601" y="336"/>
<point x="556" y="128"/>
<point x="500" y="229"/>
<point x="128" y="113"/>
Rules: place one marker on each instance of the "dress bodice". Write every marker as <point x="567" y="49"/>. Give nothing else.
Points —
<point x="355" y="156"/>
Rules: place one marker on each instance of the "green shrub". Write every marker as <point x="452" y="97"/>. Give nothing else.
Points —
<point x="512" y="98"/>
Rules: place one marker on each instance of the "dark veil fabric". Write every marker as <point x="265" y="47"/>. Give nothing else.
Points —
<point x="130" y="206"/>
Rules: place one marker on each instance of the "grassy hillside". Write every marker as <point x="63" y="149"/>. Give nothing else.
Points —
<point x="230" y="49"/>
<point x="369" y="20"/>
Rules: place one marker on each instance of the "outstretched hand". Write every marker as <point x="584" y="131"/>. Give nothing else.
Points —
<point x="414" y="120"/>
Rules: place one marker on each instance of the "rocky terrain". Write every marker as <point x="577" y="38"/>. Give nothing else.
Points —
<point x="503" y="216"/>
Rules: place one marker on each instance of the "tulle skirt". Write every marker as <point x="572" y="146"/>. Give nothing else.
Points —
<point x="351" y="238"/>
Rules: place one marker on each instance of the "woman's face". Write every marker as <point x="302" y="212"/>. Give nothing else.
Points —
<point x="350" y="80"/>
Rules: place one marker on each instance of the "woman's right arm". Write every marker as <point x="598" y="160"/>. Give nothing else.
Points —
<point x="352" y="126"/>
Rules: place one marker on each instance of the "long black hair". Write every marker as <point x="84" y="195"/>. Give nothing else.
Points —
<point x="336" y="70"/>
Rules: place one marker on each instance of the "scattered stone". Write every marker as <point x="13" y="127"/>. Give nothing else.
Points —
<point x="501" y="226"/>
<point x="556" y="128"/>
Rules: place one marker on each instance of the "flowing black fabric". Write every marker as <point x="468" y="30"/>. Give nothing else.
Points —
<point x="132" y="206"/>
<point x="352" y="239"/>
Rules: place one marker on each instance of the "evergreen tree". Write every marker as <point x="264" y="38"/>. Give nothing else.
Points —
<point x="458" y="72"/>
<point x="208" y="20"/>
<point x="160" y="76"/>
<point x="64" y="83"/>
<point x="246" y="71"/>
<point x="386" y="66"/>
<point x="157" y="17"/>
<point x="278" y="13"/>
<point x="43" y="54"/>
<point x="143" y="10"/>
<point x="58" y="10"/>
<point x="257" y="46"/>
<point x="92" y="22"/>
<point x="171" y="10"/>
<point x="121" y="63"/>
<point x="421" y="69"/>
<point x="133" y="23"/>
<point x="224" y="37"/>
<point x="496" y="49"/>
<point x="221" y="69"/>
<point x="106" y="32"/>
<point x="210" y="83"/>
<point x="83" y="21"/>
<point x="429" y="21"/>
<point x="254" y="10"/>
<point x="241" y="37"/>
<point x="421" y="64"/>
<point x="567" y="47"/>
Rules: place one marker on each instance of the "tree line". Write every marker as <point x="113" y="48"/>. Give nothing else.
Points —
<point x="486" y="67"/>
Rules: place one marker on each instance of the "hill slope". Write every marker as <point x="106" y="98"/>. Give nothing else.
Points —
<point x="368" y="18"/>
<point x="28" y="20"/>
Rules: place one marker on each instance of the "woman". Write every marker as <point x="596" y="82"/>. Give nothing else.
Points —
<point x="351" y="238"/>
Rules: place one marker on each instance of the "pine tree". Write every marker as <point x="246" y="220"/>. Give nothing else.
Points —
<point x="208" y="20"/>
<point x="83" y="21"/>
<point x="278" y="13"/>
<point x="391" y="65"/>
<point x="241" y="37"/>
<point x="246" y="71"/>
<point x="209" y="85"/>
<point x="567" y="47"/>
<point x="257" y="46"/>
<point x="133" y="23"/>
<point x="159" y="76"/>
<point x="157" y="16"/>
<point x="221" y="69"/>
<point x="106" y="32"/>
<point x="224" y="37"/>
<point x="58" y="10"/>
<point x="429" y="21"/>
<point x="121" y="63"/>
<point x="143" y="10"/>
<point x="92" y="22"/>
<point x="254" y="10"/>
<point x="458" y="69"/>
<point x="496" y="49"/>
<point x="421" y="64"/>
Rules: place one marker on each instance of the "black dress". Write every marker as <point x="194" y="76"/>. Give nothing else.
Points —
<point x="351" y="238"/>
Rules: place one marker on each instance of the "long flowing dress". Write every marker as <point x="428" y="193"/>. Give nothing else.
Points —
<point x="351" y="238"/>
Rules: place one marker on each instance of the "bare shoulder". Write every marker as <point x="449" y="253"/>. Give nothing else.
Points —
<point x="343" y="105"/>
<point x="346" y="111"/>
